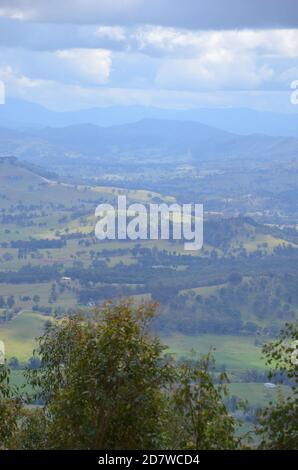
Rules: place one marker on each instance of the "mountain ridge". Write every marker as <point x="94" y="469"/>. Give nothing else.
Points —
<point x="166" y="139"/>
<point x="18" y="113"/>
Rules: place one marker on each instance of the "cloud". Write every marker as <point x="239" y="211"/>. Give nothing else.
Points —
<point x="93" y="64"/>
<point x="51" y="37"/>
<point x="70" y="66"/>
<point x="138" y="51"/>
<point x="157" y="58"/>
<point x="12" y="13"/>
<point x="70" y="96"/>
<point x="114" y="33"/>
<point x="192" y="14"/>
<point x="148" y="39"/>
<point x="61" y="97"/>
<point x="70" y="11"/>
<point x="206" y="60"/>
<point x="10" y="77"/>
<point x="159" y="40"/>
<point x="213" y="71"/>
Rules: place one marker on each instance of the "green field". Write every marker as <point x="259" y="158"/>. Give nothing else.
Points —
<point x="20" y="333"/>
<point x="236" y="353"/>
<point x="256" y="393"/>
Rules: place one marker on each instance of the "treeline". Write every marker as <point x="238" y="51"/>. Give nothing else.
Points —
<point x="32" y="245"/>
<point x="271" y="299"/>
<point x="31" y="274"/>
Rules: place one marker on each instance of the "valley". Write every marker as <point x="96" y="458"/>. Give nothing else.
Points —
<point x="233" y="295"/>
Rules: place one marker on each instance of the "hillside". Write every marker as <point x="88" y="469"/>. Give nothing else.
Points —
<point x="233" y="295"/>
<point x="20" y="114"/>
<point x="143" y="141"/>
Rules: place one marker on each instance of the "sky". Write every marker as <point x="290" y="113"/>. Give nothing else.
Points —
<point x="73" y="54"/>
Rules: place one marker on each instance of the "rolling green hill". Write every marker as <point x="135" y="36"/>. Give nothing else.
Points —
<point x="239" y="288"/>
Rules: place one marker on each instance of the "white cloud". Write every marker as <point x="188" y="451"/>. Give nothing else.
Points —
<point x="12" y="13"/>
<point x="214" y="70"/>
<point x="114" y="33"/>
<point x="18" y="80"/>
<point x="144" y="63"/>
<point x="161" y="40"/>
<point x="65" y="96"/>
<point x="200" y="60"/>
<point x="94" y="64"/>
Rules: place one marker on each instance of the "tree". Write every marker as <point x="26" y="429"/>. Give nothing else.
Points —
<point x="107" y="384"/>
<point x="10" y="301"/>
<point x="14" y="363"/>
<point x="102" y="380"/>
<point x="278" y="423"/>
<point x="201" y="418"/>
<point x="10" y="406"/>
<point x="235" y="278"/>
<point x="36" y="299"/>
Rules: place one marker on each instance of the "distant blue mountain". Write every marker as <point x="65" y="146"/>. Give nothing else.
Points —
<point x="22" y="114"/>
<point x="144" y="140"/>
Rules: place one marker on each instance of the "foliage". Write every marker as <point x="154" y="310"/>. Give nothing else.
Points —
<point x="202" y="420"/>
<point x="278" y="423"/>
<point x="106" y="383"/>
<point x="10" y="405"/>
<point x="101" y="380"/>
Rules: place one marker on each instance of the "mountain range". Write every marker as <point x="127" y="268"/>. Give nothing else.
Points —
<point x="145" y="140"/>
<point x="18" y="113"/>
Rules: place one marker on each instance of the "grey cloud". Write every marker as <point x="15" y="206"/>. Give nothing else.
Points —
<point x="194" y="14"/>
<point x="50" y="37"/>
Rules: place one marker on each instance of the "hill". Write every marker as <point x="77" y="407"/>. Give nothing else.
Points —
<point x="19" y="114"/>
<point x="142" y="142"/>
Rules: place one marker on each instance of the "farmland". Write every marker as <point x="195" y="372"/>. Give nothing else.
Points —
<point x="233" y="295"/>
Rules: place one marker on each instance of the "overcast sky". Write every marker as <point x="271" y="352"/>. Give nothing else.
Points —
<point x="69" y="54"/>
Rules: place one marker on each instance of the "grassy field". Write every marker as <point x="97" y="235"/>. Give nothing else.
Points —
<point x="236" y="353"/>
<point x="20" y="333"/>
<point x="18" y="380"/>
<point x="67" y="299"/>
<point x="256" y="393"/>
